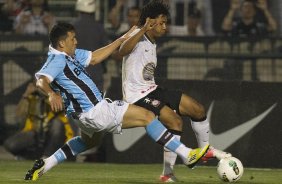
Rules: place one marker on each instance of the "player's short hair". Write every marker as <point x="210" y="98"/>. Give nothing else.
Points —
<point x="152" y="10"/>
<point x="59" y="32"/>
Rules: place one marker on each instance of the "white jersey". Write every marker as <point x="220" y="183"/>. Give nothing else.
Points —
<point x="138" y="70"/>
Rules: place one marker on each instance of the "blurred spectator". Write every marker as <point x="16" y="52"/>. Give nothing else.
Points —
<point x="247" y="24"/>
<point x="35" y="20"/>
<point x="44" y="131"/>
<point x="193" y="24"/>
<point x="9" y="9"/>
<point x="6" y="24"/>
<point x="205" y="6"/>
<point x="14" y="7"/>
<point x="133" y="14"/>
<point x="84" y="24"/>
<point x="178" y="12"/>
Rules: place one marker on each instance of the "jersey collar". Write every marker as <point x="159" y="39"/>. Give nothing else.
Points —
<point x="55" y="51"/>
<point x="147" y="37"/>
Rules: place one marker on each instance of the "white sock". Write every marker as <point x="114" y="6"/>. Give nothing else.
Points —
<point x="201" y="130"/>
<point x="183" y="152"/>
<point x="169" y="159"/>
<point x="53" y="160"/>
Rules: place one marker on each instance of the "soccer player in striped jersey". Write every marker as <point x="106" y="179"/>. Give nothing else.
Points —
<point x="139" y="87"/>
<point x="64" y="70"/>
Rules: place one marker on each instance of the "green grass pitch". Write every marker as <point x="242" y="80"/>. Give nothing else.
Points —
<point x="86" y="173"/>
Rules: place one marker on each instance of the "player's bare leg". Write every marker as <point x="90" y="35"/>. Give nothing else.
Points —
<point x="201" y="126"/>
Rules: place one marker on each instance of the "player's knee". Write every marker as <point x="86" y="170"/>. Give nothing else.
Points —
<point x="89" y="142"/>
<point x="174" y="122"/>
<point x="200" y="112"/>
<point x="148" y="117"/>
<point x="177" y="123"/>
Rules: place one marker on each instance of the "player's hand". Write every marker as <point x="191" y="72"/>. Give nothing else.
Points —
<point x="56" y="101"/>
<point x="262" y="4"/>
<point x="30" y="89"/>
<point x="235" y="4"/>
<point x="149" y="24"/>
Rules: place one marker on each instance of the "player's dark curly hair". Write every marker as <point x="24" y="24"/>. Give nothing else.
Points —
<point x="59" y="32"/>
<point x="152" y="10"/>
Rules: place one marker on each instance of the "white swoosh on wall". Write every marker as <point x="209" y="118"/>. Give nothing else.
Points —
<point x="225" y="139"/>
<point x="221" y="141"/>
<point x="128" y="138"/>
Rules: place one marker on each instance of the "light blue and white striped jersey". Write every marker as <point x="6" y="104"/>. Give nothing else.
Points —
<point x="68" y="75"/>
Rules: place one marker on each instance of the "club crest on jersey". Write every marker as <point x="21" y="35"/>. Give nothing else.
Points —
<point x="148" y="71"/>
<point x="152" y="102"/>
<point x="155" y="103"/>
<point x="119" y="103"/>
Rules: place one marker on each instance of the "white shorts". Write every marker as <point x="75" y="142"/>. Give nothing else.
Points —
<point x="105" y="116"/>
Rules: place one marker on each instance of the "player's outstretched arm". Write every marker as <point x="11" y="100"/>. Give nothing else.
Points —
<point x="131" y="42"/>
<point x="100" y="54"/>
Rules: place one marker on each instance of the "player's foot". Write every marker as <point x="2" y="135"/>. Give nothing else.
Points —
<point x="168" y="178"/>
<point x="195" y="155"/>
<point x="36" y="171"/>
<point x="215" y="153"/>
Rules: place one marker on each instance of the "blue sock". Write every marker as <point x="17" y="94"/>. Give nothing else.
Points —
<point x="73" y="147"/>
<point x="77" y="145"/>
<point x="160" y="134"/>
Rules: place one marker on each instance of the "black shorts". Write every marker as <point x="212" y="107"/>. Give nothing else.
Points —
<point x="160" y="97"/>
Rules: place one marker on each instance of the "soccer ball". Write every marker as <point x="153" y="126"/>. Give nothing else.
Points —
<point x="230" y="169"/>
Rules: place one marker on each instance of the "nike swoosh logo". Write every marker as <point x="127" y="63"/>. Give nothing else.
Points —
<point x="224" y="140"/>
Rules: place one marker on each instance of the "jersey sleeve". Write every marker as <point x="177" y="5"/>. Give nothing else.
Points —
<point x="54" y="65"/>
<point x="83" y="56"/>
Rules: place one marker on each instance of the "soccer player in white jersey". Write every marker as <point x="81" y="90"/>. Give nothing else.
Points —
<point x="64" y="71"/>
<point x="139" y="87"/>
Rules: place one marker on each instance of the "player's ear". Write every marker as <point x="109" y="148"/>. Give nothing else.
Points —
<point x="61" y="44"/>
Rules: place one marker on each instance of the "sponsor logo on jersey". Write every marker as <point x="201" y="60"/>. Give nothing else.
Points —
<point x="119" y="103"/>
<point x="147" y="100"/>
<point x="151" y="87"/>
<point x="148" y="71"/>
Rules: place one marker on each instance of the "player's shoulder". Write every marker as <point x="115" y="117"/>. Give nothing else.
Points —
<point x="52" y="57"/>
<point x="78" y="50"/>
<point x="81" y="52"/>
<point x="55" y="60"/>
